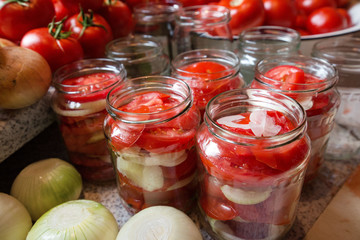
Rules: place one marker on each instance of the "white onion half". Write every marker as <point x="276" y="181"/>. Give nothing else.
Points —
<point x="15" y="220"/>
<point x="45" y="184"/>
<point x="75" y="220"/>
<point x="159" y="222"/>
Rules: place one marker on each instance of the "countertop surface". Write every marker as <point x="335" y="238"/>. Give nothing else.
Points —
<point x="316" y="194"/>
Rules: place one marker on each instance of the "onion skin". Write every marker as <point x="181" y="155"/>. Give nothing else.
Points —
<point x="15" y="221"/>
<point x="45" y="184"/>
<point x="6" y="43"/>
<point x="25" y="77"/>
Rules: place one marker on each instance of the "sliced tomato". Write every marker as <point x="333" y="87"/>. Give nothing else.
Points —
<point x="208" y="69"/>
<point x="125" y="135"/>
<point x="217" y="208"/>
<point x="90" y="87"/>
<point x="289" y="76"/>
<point x="162" y="140"/>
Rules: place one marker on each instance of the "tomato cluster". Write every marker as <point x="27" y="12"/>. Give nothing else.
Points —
<point x="63" y="31"/>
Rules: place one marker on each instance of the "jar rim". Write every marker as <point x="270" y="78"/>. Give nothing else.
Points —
<point x="127" y="89"/>
<point x="310" y="65"/>
<point x="84" y="67"/>
<point x="202" y="55"/>
<point x="192" y="16"/>
<point x="156" y="11"/>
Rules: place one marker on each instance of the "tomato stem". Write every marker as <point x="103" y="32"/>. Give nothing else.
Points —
<point x="55" y="29"/>
<point x="24" y="3"/>
<point x="87" y="21"/>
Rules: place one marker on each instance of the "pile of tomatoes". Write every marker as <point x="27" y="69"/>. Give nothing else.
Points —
<point x="63" y="31"/>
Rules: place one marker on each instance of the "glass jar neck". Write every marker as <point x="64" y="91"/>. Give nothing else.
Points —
<point x="266" y="40"/>
<point x="320" y="69"/>
<point x="134" y="49"/>
<point x="244" y="100"/>
<point x="226" y="58"/>
<point x="204" y="16"/>
<point x="85" y="67"/>
<point x="156" y="12"/>
<point x="126" y="91"/>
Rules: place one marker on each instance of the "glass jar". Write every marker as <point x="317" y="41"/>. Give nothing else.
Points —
<point x="150" y="131"/>
<point x="208" y="72"/>
<point x="344" y="54"/>
<point x="201" y="27"/>
<point x="141" y="55"/>
<point x="265" y="41"/>
<point x="79" y="102"/>
<point x="157" y="18"/>
<point x="311" y="82"/>
<point x="253" y="152"/>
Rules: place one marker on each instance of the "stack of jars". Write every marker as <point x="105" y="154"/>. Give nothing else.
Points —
<point x="200" y="125"/>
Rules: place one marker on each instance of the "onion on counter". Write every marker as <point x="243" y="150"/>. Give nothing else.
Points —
<point x="75" y="220"/>
<point x="45" y="184"/>
<point x="15" y="220"/>
<point x="159" y="222"/>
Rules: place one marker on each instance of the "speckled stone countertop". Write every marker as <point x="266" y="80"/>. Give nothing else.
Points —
<point x="316" y="195"/>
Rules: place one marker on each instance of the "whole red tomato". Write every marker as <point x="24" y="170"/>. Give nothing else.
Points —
<point x="61" y="11"/>
<point x="326" y="19"/>
<point x="280" y="13"/>
<point x="92" y="31"/>
<point x="308" y="6"/>
<point x="55" y="45"/>
<point x="74" y="5"/>
<point x="244" y="14"/>
<point x="119" y="17"/>
<point x="19" y="16"/>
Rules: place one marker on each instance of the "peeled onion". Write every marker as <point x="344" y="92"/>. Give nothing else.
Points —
<point x="15" y="220"/>
<point x="45" y="184"/>
<point x="25" y="77"/>
<point x="75" y="220"/>
<point x="159" y="222"/>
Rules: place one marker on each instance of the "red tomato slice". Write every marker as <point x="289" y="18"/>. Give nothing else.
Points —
<point x="92" y="87"/>
<point x="125" y="135"/>
<point x="208" y="69"/>
<point x="289" y="76"/>
<point x="217" y="208"/>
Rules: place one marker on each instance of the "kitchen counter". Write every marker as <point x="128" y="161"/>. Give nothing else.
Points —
<point x="316" y="194"/>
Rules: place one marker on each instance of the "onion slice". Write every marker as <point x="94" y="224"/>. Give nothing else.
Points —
<point x="15" y="220"/>
<point x="45" y="184"/>
<point x="84" y="108"/>
<point x="77" y="219"/>
<point x="159" y="222"/>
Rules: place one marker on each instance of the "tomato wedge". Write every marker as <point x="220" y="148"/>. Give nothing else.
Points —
<point x="289" y="76"/>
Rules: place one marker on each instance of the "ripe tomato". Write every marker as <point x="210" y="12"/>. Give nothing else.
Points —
<point x="326" y="19"/>
<point x="74" y="5"/>
<point x="92" y="31"/>
<point x="280" y="13"/>
<point x="244" y="14"/>
<point x="18" y="17"/>
<point x="61" y="11"/>
<point x="217" y="208"/>
<point x="57" y="47"/>
<point x="119" y="16"/>
<point x="308" y="6"/>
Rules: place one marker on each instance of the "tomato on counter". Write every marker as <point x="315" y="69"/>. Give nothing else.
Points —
<point x="151" y="134"/>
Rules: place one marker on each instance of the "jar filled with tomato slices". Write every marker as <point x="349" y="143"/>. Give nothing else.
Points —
<point x="208" y="72"/>
<point x="253" y="152"/>
<point x="79" y="102"/>
<point x="157" y="18"/>
<point x="201" y="27"/>
<point x="344" y="54"/>
<point x="141" y="55"/>
<point x="150" y="132"/>
<point x="311" y="82"/>
<point x="256" y="43"/>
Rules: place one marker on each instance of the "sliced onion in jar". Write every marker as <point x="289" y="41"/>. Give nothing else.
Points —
<point x="77" y="219"/>
<point x="15" y="220"/>
<point x="182" y="183"/>
<point x="244" y="197"/>
<point x="45" y="184"/>
<point x="159" y="222"/>
<point x="72" y="110"/>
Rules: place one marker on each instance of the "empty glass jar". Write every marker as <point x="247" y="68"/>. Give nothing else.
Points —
<point x="141" y="55"/>
<point x="203" y="26"/>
